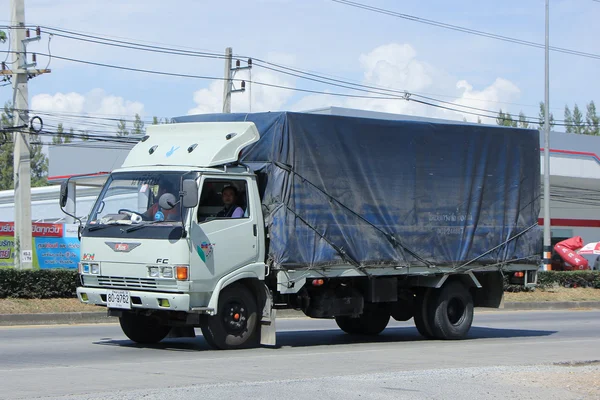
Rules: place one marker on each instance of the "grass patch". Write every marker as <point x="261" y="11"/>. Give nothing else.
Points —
<point x="42" y="306"/>
<point x="554" y="294"/>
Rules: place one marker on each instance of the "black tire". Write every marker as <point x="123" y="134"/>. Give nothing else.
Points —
<point x="143" y="329"/>
<point x="371" y="322"/>
<point x="452" y="312"/>
<point x="423" y="314"/>
<point x="235" y="326"/>
<point x="402" y="310"/>
<point x="348" y="324"/>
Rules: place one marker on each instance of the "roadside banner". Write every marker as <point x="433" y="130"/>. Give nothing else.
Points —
<point x="54" y="245"/>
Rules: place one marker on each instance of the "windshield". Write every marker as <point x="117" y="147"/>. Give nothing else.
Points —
<point x="138" y="198"/>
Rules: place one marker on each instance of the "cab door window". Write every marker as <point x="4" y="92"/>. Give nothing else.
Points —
<point x="223" y="199"/>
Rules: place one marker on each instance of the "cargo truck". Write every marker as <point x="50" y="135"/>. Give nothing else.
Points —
<point x="217" y="221"/>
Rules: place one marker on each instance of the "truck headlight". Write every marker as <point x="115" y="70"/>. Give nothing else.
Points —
<point x="95" y="269"/>
<point x="167" y="272"/>
<point x="84" y="268"/>
<point x="153" y="272"/>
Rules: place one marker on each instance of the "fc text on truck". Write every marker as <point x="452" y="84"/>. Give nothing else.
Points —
<point x="216" y="221"/>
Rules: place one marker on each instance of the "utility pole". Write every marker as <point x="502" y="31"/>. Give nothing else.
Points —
<point x="230" y="71"/>
<point x="547" y="220"/>
<point x="227" y="82"/>
<point x="22" y="157"/>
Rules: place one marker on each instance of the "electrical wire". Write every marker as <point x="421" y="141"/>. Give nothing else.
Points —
<point x="492" y="114"/>
<point x="382" y="96"/>
<point x="463" y="29"/>
<point x="207" y="54"/>
<point x="49" y="52"/>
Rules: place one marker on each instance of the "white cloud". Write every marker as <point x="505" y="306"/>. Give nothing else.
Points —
<point x="94" y="111"/>
<point x="488" y="98"/>
<point x="95" y="102"/>
<point x="396" y="67"/>
<point x="59" y="102"/>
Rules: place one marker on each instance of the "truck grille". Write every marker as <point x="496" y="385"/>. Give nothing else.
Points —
<point x="131" y="283"/>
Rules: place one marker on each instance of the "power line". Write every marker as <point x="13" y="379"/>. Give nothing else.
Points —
<point x="463" y="29"/>
<point x="215" y="55"/>
<point x="406" y="96"/>
<point x="493" y="114"/>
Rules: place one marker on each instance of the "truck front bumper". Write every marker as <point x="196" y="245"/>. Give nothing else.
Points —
<point x="139" y="299"/>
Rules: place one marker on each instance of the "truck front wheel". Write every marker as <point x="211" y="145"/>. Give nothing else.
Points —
<point x="372" y="321"/>
<point x="143" y="329"/>
<point x="235" y="326"/>
<point x="452" y="311"/>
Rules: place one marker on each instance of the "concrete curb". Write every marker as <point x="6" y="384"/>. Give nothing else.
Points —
<point x="552" y="305"/>
<point x="100" y="317"/>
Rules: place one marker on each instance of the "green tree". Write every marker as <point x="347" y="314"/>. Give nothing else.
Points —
<point x="523" y="123"/>
<point x="578" y="123"/>
<point x="505" y="119"/>
<point x="138" y="126"/>
<point x="60" y="137"/>
<point x="155" y="121"/>
<point x="122" y="128"/>
<point x="592" y="120"/>
<point x="569" y="120"/>
<point x="542" y="117"/>
<point x="39" y="161"/>
<point x="57" y="138"/>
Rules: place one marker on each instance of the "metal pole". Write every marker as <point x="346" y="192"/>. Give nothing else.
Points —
<point x="227" y="81"/>
<point x="22" y="157"/>
<point x="250" y="90"/>
<point x="547" y="220"/>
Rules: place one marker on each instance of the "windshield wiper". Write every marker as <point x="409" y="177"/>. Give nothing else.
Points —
<point x="142" y="225"/>
<point x="106" y="225"/>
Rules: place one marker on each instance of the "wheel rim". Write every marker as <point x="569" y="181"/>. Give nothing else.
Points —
<point x="235" y="317"/>
<point x="456" y="311"/>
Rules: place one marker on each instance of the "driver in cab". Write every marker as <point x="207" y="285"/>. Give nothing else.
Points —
<point x="230" y="209"/>
<point x="158" y="213"/>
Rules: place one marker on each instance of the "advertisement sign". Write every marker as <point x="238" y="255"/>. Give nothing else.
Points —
<point x="54" y="246"/>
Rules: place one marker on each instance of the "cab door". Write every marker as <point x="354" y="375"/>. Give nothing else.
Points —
<point x="221" y="245"/>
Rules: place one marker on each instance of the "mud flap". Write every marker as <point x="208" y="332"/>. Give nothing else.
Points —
<point x="182" y="331"/>
<point x="268" y="334"/>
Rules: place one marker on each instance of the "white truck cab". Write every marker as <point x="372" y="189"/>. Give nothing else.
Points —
<point x="154" y="240"/>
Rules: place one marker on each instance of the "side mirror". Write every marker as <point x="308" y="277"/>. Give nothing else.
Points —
<point x="64" y="194"/>
<point x="190" y="193"/>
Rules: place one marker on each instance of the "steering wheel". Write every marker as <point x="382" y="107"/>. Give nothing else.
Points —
<point x="130" y="212"/>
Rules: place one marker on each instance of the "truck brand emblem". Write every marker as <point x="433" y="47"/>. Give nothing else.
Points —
<point x="205" y="250"/>
<point x="122" y="247"/>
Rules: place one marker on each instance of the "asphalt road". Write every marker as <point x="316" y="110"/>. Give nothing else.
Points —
<point x="508" y="355"/>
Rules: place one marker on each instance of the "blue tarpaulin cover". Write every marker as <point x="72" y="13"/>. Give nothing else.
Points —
<point x="379" y="192"/>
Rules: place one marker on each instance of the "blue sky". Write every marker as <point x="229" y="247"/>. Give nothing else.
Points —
<point x="314" y="35"/>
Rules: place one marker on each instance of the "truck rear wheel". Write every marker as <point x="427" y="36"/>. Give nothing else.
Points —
<point x="235" y="326"/>
<point x="452" y="311"/>
<point x="423" y="313"/>
<point x="372" y="321"/>
<point x="143" y="329"/>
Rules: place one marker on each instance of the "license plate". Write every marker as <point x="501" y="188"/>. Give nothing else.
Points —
<point x="118" y="299"/>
